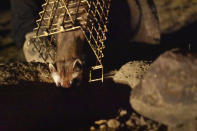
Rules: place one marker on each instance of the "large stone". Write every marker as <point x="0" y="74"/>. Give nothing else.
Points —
<point x="14" y="73"/>
<point x="189" y="126"/>
<point x="134" y="20"/>
<point x="144" y="21"/>
<point x="174" y="14"/>
<point x="168" y="92"/>
<point x="131" y="73"/>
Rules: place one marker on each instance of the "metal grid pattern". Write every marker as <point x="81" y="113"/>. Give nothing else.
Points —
<point x="91" y="16"/>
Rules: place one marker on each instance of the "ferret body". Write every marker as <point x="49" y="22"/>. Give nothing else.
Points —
<point x="70" y="55"/>
<point x="69" y="59"/>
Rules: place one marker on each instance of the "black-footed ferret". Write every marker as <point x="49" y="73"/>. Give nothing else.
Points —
<point x="70" y="55"/>
<point x="69" y="59"/>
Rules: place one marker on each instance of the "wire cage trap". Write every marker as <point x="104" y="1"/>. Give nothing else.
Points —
<point x="90" y="16"/>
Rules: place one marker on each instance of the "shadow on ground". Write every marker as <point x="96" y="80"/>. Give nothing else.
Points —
<point x="35" y="106"/>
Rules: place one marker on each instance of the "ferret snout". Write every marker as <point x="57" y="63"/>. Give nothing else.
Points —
<point x="56" y="78"/>
<point x="55" y="75"/>
<point x="72" y="77"/>
<point x="59" y="81"/>
<point x="66" y="84"/>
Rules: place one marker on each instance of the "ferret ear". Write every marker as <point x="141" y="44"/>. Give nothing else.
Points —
<point x="77" y="65"/>
<point x="52" y="68"/>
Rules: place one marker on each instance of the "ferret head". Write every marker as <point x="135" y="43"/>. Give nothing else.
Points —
<point x="67" y="74"/>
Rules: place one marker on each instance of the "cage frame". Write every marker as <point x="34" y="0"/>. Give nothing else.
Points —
<point x="95" y="39"/>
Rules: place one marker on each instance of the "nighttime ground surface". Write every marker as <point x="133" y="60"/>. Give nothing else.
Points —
<point x="31" y="101"/>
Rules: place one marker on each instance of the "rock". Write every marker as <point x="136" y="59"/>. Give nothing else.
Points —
<point x="129" y="123"/>
<point x="137" y="21"/>
<point x="92" y="128"/>
<point x="131" y="73"/>
<point x="142" y="121"/>
<point x="102" y="127"/>
<point x="113" y="123"/>
<point x="137" y="122"/>
<point x="168" y="92"/>
<point x="9" y="52"/>
<point x="100" y="122"/>
<point x="189" y="126"/>
<point x="13" y="73"/>
<point x="144" y="21"/>
<point x="123" y="113"/>
<point x="174" y="14"/>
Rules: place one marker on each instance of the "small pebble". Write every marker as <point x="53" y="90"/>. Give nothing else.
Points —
<point x="142" y="121"/>
<point x="92" y="128"/>
<point x="129" y="123"/>
<point x="99" y="122"/>
<point x="123" y="112"/>
<point x="102" y="127"/>
<point x="113" y="123"/>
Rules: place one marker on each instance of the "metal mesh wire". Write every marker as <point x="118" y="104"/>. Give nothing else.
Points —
<point x="91" y="16"/>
